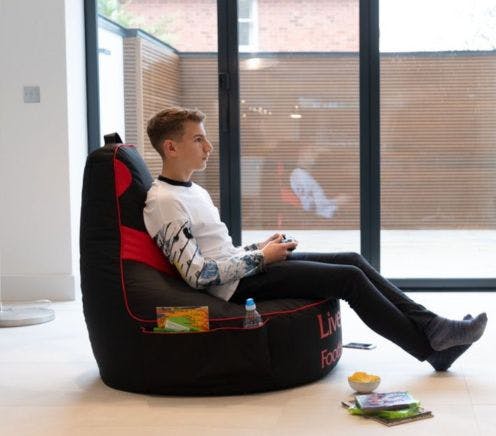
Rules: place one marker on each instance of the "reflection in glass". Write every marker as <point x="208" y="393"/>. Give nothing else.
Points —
<point x="300" y="125"/>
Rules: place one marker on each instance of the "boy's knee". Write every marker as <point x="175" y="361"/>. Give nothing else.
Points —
<point x="355" y="272"/>
<point x="354" y="258"/>
<point x="356" y="283"/>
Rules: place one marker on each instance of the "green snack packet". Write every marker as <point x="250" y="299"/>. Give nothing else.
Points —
<point x="388" y="414"/>
<point x="400" y="414"/>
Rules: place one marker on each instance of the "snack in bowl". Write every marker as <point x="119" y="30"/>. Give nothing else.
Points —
<point x="364" y="383"/>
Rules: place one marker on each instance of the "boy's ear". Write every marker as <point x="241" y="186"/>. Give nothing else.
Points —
<point x="169" y="146"/>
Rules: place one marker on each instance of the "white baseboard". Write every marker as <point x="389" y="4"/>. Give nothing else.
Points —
<point x="28" y="288"/>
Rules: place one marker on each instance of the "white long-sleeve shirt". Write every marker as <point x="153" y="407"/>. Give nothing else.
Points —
<point x="186" y="225"/>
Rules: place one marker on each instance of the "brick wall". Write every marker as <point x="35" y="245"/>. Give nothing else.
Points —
<point x="283" y="25"/>
<point x="192" y="24"/>
<point x="312" y="25"/>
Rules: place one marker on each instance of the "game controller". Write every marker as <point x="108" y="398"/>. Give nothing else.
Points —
<point x="288" y="238"/>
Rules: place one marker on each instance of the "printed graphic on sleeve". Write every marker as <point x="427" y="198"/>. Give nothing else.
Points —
<point x="181" y="248"/>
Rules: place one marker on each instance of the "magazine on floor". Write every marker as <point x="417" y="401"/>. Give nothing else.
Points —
<point x="384" y="401"/>
<point x="390" y="408"/>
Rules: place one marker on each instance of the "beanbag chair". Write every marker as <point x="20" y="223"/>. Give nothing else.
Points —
<point x="124" y="277"/>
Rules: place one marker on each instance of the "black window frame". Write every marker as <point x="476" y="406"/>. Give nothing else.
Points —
<point x="229" y="133"/>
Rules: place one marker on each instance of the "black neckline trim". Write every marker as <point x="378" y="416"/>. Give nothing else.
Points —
<point x="174" y="182"/>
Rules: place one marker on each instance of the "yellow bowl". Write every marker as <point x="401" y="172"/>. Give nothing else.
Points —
<point x="364" y="387"/>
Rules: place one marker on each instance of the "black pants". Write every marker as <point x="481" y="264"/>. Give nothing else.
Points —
<point x="348" y="276"/>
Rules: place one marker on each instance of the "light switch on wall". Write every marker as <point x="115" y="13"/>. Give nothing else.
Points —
<point x="31" y="94"/>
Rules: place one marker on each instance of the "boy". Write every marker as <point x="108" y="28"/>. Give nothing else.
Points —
<point x="185" y="224"/>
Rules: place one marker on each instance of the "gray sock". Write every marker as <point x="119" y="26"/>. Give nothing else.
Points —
<point x="445" y="333"/>
<point x="442" y="360"/>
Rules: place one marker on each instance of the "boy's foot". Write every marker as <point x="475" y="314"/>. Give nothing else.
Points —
<point x="445" y="333"/>
<point x="442" y="360"/>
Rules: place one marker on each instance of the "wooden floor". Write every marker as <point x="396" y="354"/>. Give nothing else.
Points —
<point x="49" y="385"/>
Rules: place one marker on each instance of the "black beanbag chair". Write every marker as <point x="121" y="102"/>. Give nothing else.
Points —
<point x="124" y="277"/>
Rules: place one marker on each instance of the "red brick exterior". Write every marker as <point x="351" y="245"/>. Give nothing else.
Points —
<point x="283" y="25"/>
<point x="312" y="25"/>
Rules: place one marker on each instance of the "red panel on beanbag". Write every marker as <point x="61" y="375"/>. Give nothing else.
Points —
<point x="139" y="246"/>
<point x="123" y="177"/>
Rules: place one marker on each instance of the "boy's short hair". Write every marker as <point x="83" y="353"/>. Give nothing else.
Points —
<point x="169" y="124"/>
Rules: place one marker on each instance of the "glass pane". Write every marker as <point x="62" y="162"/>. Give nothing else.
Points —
<point x="244" y="34"/>
<point x="300" y="125"/>
<point x="438" y="138"/>
<point x="158" y="66"/>
<point x="244" y="8"/>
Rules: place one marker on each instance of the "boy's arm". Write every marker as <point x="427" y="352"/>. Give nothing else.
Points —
<point x="181" y="248"/>
<point x="169" y="225"/>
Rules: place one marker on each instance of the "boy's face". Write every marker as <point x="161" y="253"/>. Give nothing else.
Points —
<point x="192" y="150"/>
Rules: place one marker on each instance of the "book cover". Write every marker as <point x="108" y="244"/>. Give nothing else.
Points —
<point x="384" y="401"/>
<point x="391" y="418"/>
<point x="182" y="319"/>
<point x="421" y="414"/>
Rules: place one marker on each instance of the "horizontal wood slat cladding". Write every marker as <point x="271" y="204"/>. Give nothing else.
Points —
<point x="152" y="83"/>
<point x="132" y="92"/>
<point x="438" y="153"/>
<point x="199" y="89"/>
<point x="438" y="139"/>
<point x="156" y="77"/>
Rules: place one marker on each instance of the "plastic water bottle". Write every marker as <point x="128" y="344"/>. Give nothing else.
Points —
<point x="252" y="318"/>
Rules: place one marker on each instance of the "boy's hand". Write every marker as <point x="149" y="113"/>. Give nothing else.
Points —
<point x="275" y="251"/>
<point x="270" y="239"/>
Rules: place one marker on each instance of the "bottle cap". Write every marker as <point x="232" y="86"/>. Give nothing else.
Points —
<point x="250" y="304"/>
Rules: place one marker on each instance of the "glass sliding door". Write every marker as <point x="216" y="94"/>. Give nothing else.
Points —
<point x="148" y="60"/>
<point x="299" y="118"/>
<point x="438" y="138"/>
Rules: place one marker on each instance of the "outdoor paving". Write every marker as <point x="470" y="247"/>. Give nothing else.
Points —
<point x="409" y="253"/>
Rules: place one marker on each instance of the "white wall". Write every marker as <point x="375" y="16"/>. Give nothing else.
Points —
<point x="43" y="147"/>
